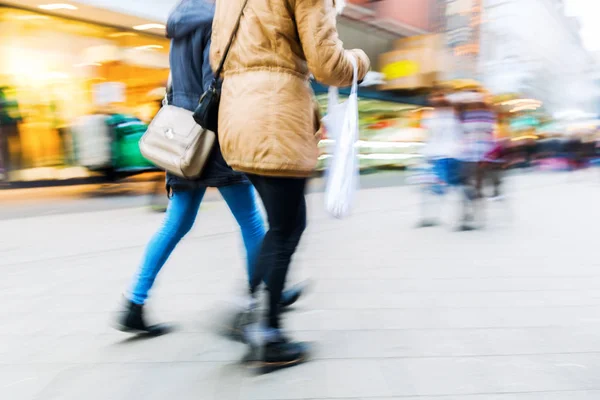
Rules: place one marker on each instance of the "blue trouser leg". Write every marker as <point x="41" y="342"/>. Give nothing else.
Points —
<point x="241" y="200"/>
<point x="179" y="219"/>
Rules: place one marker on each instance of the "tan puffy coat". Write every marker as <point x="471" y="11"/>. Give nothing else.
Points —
<point x="268" y="118"/>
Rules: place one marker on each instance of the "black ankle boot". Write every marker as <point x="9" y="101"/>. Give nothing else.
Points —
<point x="270" y="350"/>
<point x="131" y="320"/>
<point x="282" y="353"/>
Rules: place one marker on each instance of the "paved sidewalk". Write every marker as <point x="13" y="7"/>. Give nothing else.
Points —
<point x="509" y="313"/>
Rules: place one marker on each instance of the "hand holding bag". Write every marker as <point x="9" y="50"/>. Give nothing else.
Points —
<point x="207" y="112"/>
<point x="176" y="143"/>
<point x="341" y="122"/>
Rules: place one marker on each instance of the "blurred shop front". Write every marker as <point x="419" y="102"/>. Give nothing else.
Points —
<point x="389" y="116"/>
<point x="390" y="135"/>
<point x="108" y="56"/>
<point x="54" y="69"/>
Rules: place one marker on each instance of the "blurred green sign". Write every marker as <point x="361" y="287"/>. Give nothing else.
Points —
<point x="526" y="122"/>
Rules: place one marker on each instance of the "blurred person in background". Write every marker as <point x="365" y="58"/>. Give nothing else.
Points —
<point x="269" y="124"/>
<point x="444" y="139"/>
<point x="10" y="139"/>
<point x="189" y="28"/>
<point x="494" y="164"/>
<point x="575" y="152"/>
<point x="478" y="124"/>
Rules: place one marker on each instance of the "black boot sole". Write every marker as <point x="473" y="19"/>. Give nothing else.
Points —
<point x="264" y="367"/>
<point x="153" y="331"/>
<point x="255" y="362"/>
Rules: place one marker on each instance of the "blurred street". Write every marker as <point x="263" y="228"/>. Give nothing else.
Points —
<point x="508" y="313"/>
<point x="128" y="194"/>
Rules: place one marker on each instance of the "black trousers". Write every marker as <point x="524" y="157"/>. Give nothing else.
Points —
<point x="285" y="205"/>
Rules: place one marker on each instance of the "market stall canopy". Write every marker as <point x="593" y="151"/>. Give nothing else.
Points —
<point x="371" y="93"/>
<point x="504" y="97"/>
<point x="462" y="84"/>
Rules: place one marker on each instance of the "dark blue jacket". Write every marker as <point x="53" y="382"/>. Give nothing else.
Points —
<point x="190" y="27"/>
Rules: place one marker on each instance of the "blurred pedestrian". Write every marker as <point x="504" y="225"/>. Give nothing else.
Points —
<point x="444" y="138"/>
<point x="10" y="140"/>
<point x="494" y="165"/>
<point x="478" y="124"/>
<point x="269" y="123"/>
<point x="189" y="27"/>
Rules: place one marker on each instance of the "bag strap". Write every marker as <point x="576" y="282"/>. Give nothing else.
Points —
<point x="168" y="89"/>
<point x="228" y="47"/>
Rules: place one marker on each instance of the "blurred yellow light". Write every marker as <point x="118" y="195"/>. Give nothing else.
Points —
<point x="150" y="47"/>
<point x="521" y="101"/>
<point x="121" y="34"/>
<point x="531" y="107"/>
<point x="93" y="64"/>
<point x="31" y="17"/>
<point x="524" y="137"/>
<point x="56" y="75"/>
<point x="58" y="6"/>
<point x="147" y="27"/>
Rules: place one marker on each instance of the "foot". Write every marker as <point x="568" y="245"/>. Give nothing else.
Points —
<point x="293" y="294"/>
<point x="427" y="223"/>
<point x="247" y="315"/>
<point x="284" y="353"/>
<point x="465" y="228"/>
<point x="131" y="320"/>
<point x="241" y="319"/>
<point x="276" y="352"/>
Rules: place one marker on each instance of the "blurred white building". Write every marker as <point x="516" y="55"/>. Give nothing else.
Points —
<point x="532" y="47"/>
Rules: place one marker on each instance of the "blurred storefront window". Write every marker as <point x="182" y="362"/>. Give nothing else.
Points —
<point x="390" y="133"/>
<point x="382" y="120"/>
<point x="54" y="70"/>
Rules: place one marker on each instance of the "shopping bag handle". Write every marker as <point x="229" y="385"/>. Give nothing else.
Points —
<point x="354" y="62"/>
<point x="333" y="92"/>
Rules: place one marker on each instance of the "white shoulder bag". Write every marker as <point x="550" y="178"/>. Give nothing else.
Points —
<point x="176" y="143"/>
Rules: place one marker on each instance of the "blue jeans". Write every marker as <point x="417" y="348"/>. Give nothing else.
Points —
<point x="180" y="218"/>
<point x="447" y="171"/>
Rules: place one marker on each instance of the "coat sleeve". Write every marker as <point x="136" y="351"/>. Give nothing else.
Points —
<point x="324" y="51"/>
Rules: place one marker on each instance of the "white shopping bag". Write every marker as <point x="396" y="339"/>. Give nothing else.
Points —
<point x="341" y="123"/>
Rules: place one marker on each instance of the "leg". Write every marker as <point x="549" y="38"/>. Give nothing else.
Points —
<point x="241" y="200"/>
<point x="242" y="203"/>
<point x="286" y="211"/>
<point x="467" y="181"/>
<point x="432" y="192"/>
<point x="179" y="219"/>
<point x="480" y="175"/>
<point x="3" y="155"/>
<point x="496" y="179"/>
<point x="159" y="198"/>
<point x="6" y="156"/>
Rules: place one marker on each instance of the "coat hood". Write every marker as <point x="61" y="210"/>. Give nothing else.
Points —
<point x="188" y="16"/>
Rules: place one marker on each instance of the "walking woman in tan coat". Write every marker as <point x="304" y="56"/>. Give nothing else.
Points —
<point x="269" y="123"/>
